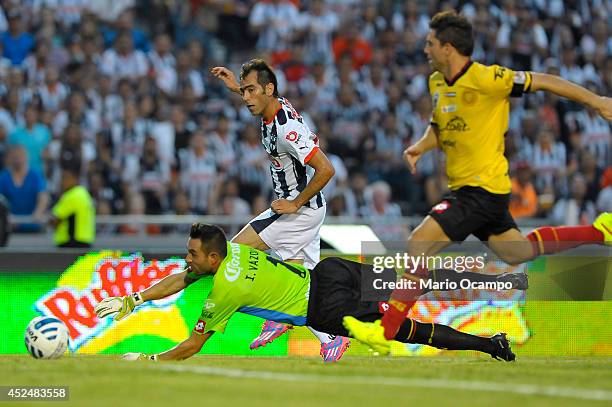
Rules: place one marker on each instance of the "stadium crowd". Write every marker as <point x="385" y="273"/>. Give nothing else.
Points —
<point x="122" y="90"/>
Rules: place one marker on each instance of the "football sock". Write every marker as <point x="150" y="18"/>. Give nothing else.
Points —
<point x="322" y="336"/>
<point x="402" y="299"/>
<point x="549" y="240"/>
<point x="442" y="337"/>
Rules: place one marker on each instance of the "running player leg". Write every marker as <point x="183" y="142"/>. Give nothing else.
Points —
<point x="444" y="337"/>
<point x="514" y="248"/>
<point x="426" y="240"/>
<point x="249" y="237"/>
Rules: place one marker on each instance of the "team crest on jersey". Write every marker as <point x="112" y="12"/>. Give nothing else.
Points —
<point x="441" y="207"/>
<point x="292" y="136"/>
<point x="469" y="97"/>
<point x="200" y="326"/>
<point x="383" y="306"/>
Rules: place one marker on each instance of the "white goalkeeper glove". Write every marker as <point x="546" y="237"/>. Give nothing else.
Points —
<point x="123" y="306"/>
<point x="133" y="356"/>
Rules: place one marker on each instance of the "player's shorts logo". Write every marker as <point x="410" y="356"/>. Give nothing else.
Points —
<point x="441" y="207"/>
<point x="200" y="325"/>
<point x="275" y="162"/>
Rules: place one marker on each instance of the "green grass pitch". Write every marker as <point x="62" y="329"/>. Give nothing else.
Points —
<point x="355" y="381"/>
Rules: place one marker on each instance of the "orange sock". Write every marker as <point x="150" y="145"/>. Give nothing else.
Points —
<point x="549" y="240"/>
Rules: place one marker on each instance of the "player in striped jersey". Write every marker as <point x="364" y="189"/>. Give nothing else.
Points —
<point x="299" y="171"/>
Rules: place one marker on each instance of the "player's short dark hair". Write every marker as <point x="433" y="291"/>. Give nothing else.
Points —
<point x="454" y="29"/>
<point x="265" y="74"/>
<point x="211" y="236"/>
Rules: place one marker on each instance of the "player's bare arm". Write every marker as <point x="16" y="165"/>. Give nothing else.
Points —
<point x="429" y="141"/>
<point x="572" y="91"/>
<point x="166" y="287"/>
<point x="187" y="348"/>
<point x="228" y="78"/>
<point x="324" y="171"/>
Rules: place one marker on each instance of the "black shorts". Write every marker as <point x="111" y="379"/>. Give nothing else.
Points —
<point x="335" y="291"/>
<point x="473" y="210"/>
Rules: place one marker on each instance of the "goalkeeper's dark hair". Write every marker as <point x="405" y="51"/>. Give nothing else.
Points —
<point x="265" y="74"/>
<point x="211" y="236"/>
<point x="454" y="29"/>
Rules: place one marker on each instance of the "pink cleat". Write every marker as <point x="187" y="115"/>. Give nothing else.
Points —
<point x="269" y="332"/>
<point x="333" y="351"/>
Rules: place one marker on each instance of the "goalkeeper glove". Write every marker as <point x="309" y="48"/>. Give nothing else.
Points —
<point x="132" y="356"/>
<point x="123" y="306"/>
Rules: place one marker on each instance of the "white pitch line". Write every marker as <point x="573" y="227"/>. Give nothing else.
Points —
<point x="517" y="388"/>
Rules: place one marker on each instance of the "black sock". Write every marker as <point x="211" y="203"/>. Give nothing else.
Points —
<point x="442" y="337"/>
<point x="444" y="275"/>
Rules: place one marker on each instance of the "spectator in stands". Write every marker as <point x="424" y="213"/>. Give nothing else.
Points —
<point x="125" y="23"/>
<point x="154" y="178"/>
<point x="74" y="214"/>
<point x="163" y="63"/>
<point x="383" y="214"/>
<point x="25" y="189"/>
<point x="16" y="43"/>
<point x="199" y="176"/>
<point x="575" y="209"/>
<point x="548" y="158"/>
<point x="33" y="136"/>
<point x="349" y="42"/>
<point x="123" y="61"/>
<point x="274" y="21"/>
<point x="253" y="165"/>
<point x="78" y="112"/>
<point x="222" y="143"/>
<point x="52" y="92"/>
<point x="524" y="200"/>
<point x="317" y="25"/>
<point x="604" y="200"/>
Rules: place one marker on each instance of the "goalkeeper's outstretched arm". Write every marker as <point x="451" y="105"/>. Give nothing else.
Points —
<point x="123" y="306"/>
<point x="167" y="286"/>
<point x="183" y="350"/>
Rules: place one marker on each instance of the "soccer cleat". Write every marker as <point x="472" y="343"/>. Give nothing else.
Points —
<point x="519" y="281"/>
<point x="502" y="348"/>
<point x="370" y="333"/>
<point x="269" y="332"/>
<point x="603" y="223"/>
<point x="333" y="351"/>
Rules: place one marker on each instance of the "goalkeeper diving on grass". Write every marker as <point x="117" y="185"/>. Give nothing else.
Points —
<point x="249" y="281"/>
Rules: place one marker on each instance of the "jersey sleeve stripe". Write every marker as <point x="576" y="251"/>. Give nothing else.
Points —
<point x="311" y="154"/>
<point x="276" y="316"/>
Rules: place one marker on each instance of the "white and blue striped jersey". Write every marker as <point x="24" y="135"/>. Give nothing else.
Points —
<point x="290" y="145"/>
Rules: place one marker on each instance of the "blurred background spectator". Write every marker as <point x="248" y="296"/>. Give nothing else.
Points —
<point x="123" y="88"/>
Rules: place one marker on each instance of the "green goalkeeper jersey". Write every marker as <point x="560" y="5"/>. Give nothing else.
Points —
<point x="252" y="282"/>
